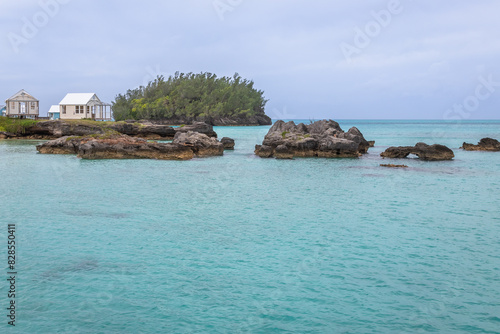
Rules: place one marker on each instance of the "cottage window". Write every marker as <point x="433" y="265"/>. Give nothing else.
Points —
<point x="63" y="109"/>
<point x="13" y="105"/>
<point x="32" y="105"/>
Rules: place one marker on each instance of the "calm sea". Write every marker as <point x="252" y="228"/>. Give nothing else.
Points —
<point x="239" y="244"/>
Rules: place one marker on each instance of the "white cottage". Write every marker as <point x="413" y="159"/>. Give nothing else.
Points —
<point x="84" y="105"/>
<point x="22" y="105"/>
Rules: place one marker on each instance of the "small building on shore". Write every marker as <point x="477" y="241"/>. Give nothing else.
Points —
<point x="54" y="112"/>
<point x="22" y="105"/>
<point x="84" y="106"/>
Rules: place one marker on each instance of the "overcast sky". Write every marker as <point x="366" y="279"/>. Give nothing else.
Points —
<point x="410" y="59"/>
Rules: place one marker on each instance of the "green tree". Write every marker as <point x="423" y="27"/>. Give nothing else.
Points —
<point x="191" y="95"/>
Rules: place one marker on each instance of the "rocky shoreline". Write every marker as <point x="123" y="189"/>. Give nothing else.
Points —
<point x="60" y="128"/>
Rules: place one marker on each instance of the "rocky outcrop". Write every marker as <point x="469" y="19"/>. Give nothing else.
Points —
<point x="146" y="131"/>
<point x="423" y="151"/>
<point x="116" y="147"/>
<point x="7" y="135"/>
<point x="199" y="127"/>
<point x="184" y="147"/>
<point x="319" y="139"/>
<point x="63" y="145"/>
<point x="199" y="143"/>
<point x="485" y="144"/>
<point x="228" y="143"/>
<point x="133" y="149"/>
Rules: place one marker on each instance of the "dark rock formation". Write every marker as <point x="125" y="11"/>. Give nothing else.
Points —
<point x="200" y="144"/>
<point x="319" y="139"/>
<point x="133" y="149"/>
<point x="283" y="152"/>
<point x="423" y="151"/>
<point x="264" y="151"/>
<point x="184" y="147"/>
<point x="228" y="143"/>
<point x="371" y="143"/>
<point x="200" y="127"/>
<point x="146" y="131"/>
<point x="485" y="144"/>
<point x="60" y="128"/>
<point x="63" y="145"/>
<point x="7" y="135"/>
<point x="116" y="147"/>
<point x="217" y="121"/>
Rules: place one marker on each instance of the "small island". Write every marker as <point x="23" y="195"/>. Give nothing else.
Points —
<point x="324" y="139"/>
<point x="186" y="98"/>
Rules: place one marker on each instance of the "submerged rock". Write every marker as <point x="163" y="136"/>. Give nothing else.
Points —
<point x="423" y="151"/>
<point x="319" y="139"/>
<point x="228" y="143"/>
<point x="393" y="166"/>
<point x="485" y="144"/>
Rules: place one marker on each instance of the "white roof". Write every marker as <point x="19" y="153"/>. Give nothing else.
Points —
<point x="54" y="109"/>
<point x="77" y="98"/>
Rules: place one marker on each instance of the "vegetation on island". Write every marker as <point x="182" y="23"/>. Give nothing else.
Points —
<point x="188" y="96"/>
<point x="15" y="125"/>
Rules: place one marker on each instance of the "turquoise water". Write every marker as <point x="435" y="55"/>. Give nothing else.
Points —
<point x="239" y="244"/>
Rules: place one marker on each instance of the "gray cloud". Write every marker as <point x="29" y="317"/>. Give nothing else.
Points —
<point x="429" y="55"/>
